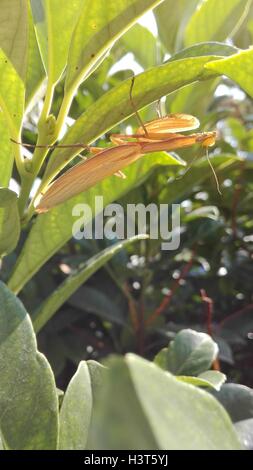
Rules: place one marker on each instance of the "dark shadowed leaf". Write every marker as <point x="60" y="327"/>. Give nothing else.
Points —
<point x="76" y="409"/>
<point x="142" y="407"/>
<point x="28" y="398"/>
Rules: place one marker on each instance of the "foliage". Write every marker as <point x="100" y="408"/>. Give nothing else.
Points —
<point x="187" y="312"/>
<point x="87" y="408"/>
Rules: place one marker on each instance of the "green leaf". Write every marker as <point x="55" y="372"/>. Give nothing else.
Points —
<point x="99" y="26"/>
<point x="141" y="42"/>
<point x="142" y="407"/>
<point x="53" y="229"/>
<point x="219" y="49"/>
<point x="238" y="67"/>
<point x="190" y="353"/>
<point x="54" y="25"/>
<point x="76" y="410"/>
<point x="115" y="105"/>
<point x="14" y="33"/>
<point x="9" y="221"/>
<point x="244" y="430"/>
<point x="74" y="281"/>
<point x="210" y="379"/>
<point x="19" y="44"/>
<point x="171" y="18"/>
<point x="250" y="28"/>
<point x="215" y="378"/>
<point x="90" y="299"/>
<point x="12" y="95"/>
<point x="215" y="20"/>
<point x="237" y="400"/>
<point x="6" y="153"/>
<point x="195" y="98"/>
<point x="35" y="72"/>
<point x="28" y="399"/>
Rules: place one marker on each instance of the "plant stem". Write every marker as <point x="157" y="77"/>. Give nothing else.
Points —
<point x="19" y="158"/>
<point x="40" y="154"/>
<point x="29" y="177"/>
<point x="32" y="168"/>
<point x="64" y="110"/>
<point x="47" y="103"/>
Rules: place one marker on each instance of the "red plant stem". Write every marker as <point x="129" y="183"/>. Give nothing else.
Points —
<point x="137" y="318"/>
<point x="209" y="310"/>
<point x="132" y="309"/>
<point x="167" y="299"/>
<point x="209" y="317"/>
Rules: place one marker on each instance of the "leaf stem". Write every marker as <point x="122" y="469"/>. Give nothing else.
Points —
<point x="29" y="177"/>
<point x="64" y="110"/>
<point x="63" y="113"/>
<point x="29" y="169"/>
<point x="19" y="160"/>
<point x="47" y="103"/>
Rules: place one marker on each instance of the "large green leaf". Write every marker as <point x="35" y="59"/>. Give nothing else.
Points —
<point x="215" y="20"/>
<point x="115" y="106"/>
<point x="12" y="94"/>
<point x="28" y="399"/>
<point x="172" y="17"/>
<point x="74" y="281"/>
<point x="18" y="42"/>
<point x="14" y="40"/>
<point x="239" y="68"/>
<point x="9" y="221"/>
<point x="141" y="406"/>
<point x="99" y="26"/>
<point x="76" y="409"/>
<point x="53" y="229"/>
<point x="54" y="24"/>
<point x="14" y="33"/>
<point x="6" y="153"/>
<point x="190" y="353"/>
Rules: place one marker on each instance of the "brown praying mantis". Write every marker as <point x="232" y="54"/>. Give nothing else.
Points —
<point x="162" y="134"/>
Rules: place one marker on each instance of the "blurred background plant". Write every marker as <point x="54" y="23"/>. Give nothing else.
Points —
<point x="144" y="296"/>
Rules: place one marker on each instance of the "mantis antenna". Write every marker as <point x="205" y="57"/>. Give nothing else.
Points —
<point x="211" y="166"/>
<point x="134" y="107"/>
<point x="214" y="172"/>
<point x="52" y="146"/>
